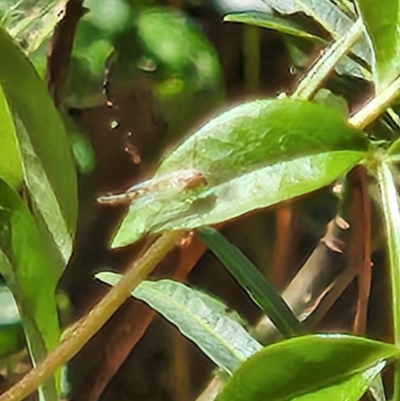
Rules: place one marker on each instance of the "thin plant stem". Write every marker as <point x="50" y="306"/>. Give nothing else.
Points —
<point x="376" y="106"/>
<point x="391" y="217"/>
<point x="314" y="78"/>
<point x="84" y="329"/>
<point x="251" y="50"/>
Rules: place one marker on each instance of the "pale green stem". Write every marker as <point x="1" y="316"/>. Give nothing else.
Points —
<point x="310" y="84"/>
<point x="84" y="329"/>
<point x="391" y="217"/>
<point x="251" y="50"/>
<point x="372" y="110"/>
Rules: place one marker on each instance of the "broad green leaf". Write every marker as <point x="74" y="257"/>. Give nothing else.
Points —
<point x="199" y="317"/>
<point x="11" y="333"/>
<point x="252" y="156"/>
<point x="26" y="266"/>
<point x="10" y="156"/>
<point x="249" y="277"/>
<point x="382" y="22"/>
<point x="274" y="22"/>
<point x="30" y="23"/>
<point x="312" y="367"/>
<point x="48" y="164"/>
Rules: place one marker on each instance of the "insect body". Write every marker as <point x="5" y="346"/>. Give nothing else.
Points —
<point x="164" y="185"/>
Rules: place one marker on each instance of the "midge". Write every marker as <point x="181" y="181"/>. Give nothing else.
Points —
<point x="172" y="182"/>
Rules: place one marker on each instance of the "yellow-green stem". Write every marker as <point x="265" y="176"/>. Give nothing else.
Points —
<point x="87" y="327"/>
<point x="314" y="78"/>
<point x="391" y="217"/>
<point x="375" y="107"/>
<point x="251" y="51"/>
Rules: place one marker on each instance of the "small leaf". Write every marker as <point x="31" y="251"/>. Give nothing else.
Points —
<point x="312" y="366"/>
<point x="382" y="22"/>
<point x="249" y="277"/>
<point x="26" y="265"/>
<point x="199" y="317"/>
<point x="252" y="156"/>
<point x="274" y="22"/>
<point x="48" y="164"/>
<point x="10" y="156"/>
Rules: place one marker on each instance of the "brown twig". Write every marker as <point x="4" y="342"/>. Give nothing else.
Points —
<point x="283" y="247"/>
<point x="60" y="49"/>
<point x="124" y="336"/>
<point x="361" y="250"/>
<point x="85" y="328"/>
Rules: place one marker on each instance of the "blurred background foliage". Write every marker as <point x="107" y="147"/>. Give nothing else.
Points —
<point x="143" y="74"/>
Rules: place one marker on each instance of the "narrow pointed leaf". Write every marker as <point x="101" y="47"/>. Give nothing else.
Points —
<point x="10" y="156"/>
<point x="199" y="317"/>
<point x="26" y="265"/>
<point x="249" y="277"/>
<point x="313" y="366"/>
<point x="382" y="22"/>
<point x="48" y="164"/>
<point x="252" y="156"/>
<point x="270" y="21"/>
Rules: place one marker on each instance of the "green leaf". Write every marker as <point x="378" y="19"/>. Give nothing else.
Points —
<point x="252" y="156"/>
<point x="11" y="333"/>
<point x="312" y="367"/>
<point x="334" y="20"/>
<point x="249" y="277"/>
<point x="382" y="22"/>
<point x="351" y="389"/>
<point x="48" y="164"/>
<point x="30" y="23"/>
<point x="391" y="218"/>
<point x="26" y="266"/>
<point x="199" y="317"/>
<point x="10" y="156"/>
<point x="273" y="22"/>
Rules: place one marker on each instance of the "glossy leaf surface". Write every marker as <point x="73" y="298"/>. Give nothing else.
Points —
<point x="10" y="156"/>
<point x="312" y="366"/>
<point x="252" y="156"/>
<point x="199" y="317"/>
<point x="251" y="279"/>
<point x="27" y="267"/>
<point x="48" y="164"/>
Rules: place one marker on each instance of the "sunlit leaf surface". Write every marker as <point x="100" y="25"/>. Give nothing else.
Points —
<point x="315" y="367"/>
<point x="250" y="157"/>
<point x="48" y="164"/>
<point x="199" y="317"/>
